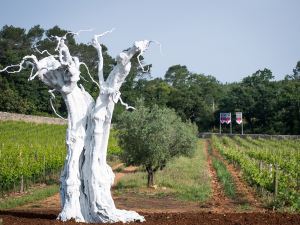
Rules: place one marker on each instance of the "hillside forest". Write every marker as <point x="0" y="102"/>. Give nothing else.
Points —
<point x="269" y="106"/>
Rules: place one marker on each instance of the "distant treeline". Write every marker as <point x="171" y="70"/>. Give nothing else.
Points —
<point x="268" y="106"/>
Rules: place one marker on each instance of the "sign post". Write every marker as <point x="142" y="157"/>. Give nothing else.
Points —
<point x="230" y="124"/>
<point x="225" y="118"/>
<point x="239" y="120"/>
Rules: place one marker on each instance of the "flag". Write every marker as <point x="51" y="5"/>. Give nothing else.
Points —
<point x="225" y="118"/>
<point x="239" y="117"/>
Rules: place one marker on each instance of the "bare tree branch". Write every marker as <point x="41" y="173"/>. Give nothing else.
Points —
<point x="51" y="103"/>
<point x="82" y="63"/>
<point x="98" y="47"/>
<point x="20" y="65"/>
<point x="125" y="104"/>
<point x="78" y="32"/>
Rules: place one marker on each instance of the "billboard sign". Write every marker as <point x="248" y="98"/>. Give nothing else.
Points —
<point x="239" y="117"/>
<point x="225" y="118"/>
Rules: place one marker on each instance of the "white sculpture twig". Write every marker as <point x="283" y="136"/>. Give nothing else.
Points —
<point x="98" y="47"/>
<point x="20" y="65"/>
<point x="41" y="52"/>
<point x="125" y="104"/>
<point x="51" y="103"/>
<point x="88" y="71"/>
<point x="143" y="49"/>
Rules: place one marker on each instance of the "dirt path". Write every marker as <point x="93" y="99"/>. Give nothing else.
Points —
<point x="246" y="196"/>
<point x="219" y="202"/>
<point x="244" y="192"/>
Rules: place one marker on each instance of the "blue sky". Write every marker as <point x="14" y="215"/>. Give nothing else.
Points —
<point x="227" y="39"/>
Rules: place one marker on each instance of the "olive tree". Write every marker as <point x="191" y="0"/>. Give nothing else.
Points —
<point x="152" y="136"/>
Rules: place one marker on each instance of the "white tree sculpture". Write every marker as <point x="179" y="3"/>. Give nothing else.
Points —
<point x="86" y="179"/>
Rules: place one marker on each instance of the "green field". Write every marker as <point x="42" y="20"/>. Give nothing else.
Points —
<point x="31" y="153"/>
<point x="270" y="165"/>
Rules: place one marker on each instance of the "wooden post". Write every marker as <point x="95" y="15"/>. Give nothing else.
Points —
<point x="22" y="176"/>
<point x="44" y="158"/>
<point x="271" y="168"/>
<point x="220" y="131"/>
<point x="2" y="149"/>
<point x="2" y="189"/>
<point x="230" y="124"/>
<point x="242" y="127"/>
<point x="22" y="184"/>
<point x="260" y="165"/>
<point x="275" y="181"/>
<point x="260" y="170"/>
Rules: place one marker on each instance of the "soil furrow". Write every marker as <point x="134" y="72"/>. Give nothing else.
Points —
<point x="219" y="202"/>
<point x="246" y="196"/>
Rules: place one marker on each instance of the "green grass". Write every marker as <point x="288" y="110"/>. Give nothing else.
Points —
<point x="132" y="181"/>
<point x="186" y="178"/>
<point x="32" y="196"/>
<point x="224" y="178"/>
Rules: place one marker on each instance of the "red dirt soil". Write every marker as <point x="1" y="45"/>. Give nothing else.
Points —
<point x="45" y="218"/>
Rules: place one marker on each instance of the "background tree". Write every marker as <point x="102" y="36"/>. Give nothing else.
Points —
<point x="155" y="91"/>
<point x="268" y="106"/>
<point x="289" y="102"/>
<point x="193" y="96"/>
<point x="177" y="75"/>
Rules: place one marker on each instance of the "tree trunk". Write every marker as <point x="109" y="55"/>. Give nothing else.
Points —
<point x="150" y="180"/>
<point x="79" y="105"/>
<point x="97" y="174"/>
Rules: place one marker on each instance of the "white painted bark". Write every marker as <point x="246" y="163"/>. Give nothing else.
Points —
<point x="100" y="177"/>
<point x="86" y="179"/>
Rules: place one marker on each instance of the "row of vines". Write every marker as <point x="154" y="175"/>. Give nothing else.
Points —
<point x="31" y="153"/>
<point x="271" y="165"/>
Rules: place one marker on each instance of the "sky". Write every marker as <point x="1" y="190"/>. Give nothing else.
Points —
<point x="227" y="39"/>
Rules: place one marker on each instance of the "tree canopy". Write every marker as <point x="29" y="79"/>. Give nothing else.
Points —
<point x="152" y="136"/>
<point x="268" y="106"/>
